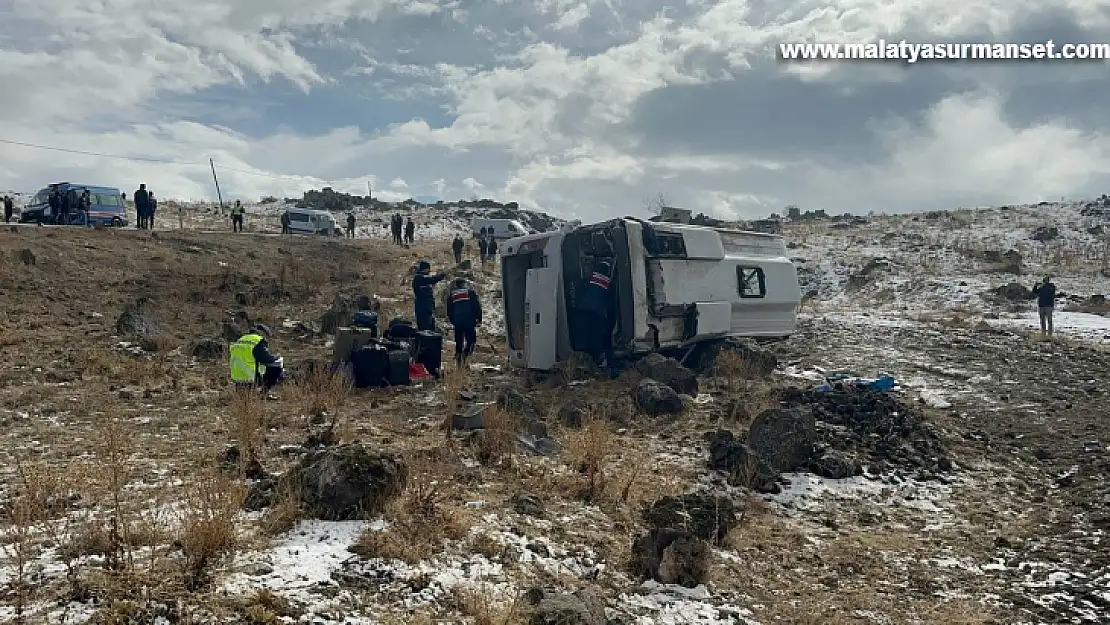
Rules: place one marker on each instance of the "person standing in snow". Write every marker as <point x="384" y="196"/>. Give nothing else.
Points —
<point x="410" y="231"/>
<point x="1046" y="302"/>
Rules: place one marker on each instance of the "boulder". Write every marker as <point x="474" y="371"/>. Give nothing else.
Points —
<point x="783" y="437"/>
<point x="671" y="556"/>
<point x="1045" y="234"/>
<point x="208" y="349"/>
<point x="1014" y="292"/>
<point x="835" y="466"/>
<point x="348" y="482"/>
<point x="528" y="505"/>
<point x="669" y="372"/>
<point x="580" y="608"/>
<point x="704" y="516"/>
<point x="743" y="467"/>
<point x="656" y="398"/>
<point x="139" y="320"/>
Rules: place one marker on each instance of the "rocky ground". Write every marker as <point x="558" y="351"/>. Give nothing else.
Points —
<point x="139" y="490"/>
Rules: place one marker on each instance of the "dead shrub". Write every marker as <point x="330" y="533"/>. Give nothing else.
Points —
<point x="208" y="531"/>
<point x="419" y="523"/>
<point x="588" y="449"/>
<point x="480" y="603"/>
<point x="323" y="392"/>
<point x="497" y="440"/>
<point x="248" y="421"/>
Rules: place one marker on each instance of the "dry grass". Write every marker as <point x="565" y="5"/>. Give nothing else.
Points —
<point x="496" y="442"/>
<point x="208" y="532"/>
<point x="420" y="521"/>
<point x="588" y="450"/>
<point x="480" y="603"/>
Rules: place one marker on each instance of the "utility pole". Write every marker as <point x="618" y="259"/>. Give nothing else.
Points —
<point x="217" y="181"/>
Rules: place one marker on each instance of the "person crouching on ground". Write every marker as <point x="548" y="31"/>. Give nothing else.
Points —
<point x="465" y="313"/>
<point x="251" y="363"/>
<point x="424" y="299"/>
<point x="1046" y="302"/>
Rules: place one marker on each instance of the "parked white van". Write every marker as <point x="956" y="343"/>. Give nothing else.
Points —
<point x="681" y="290"/>
<point x="307" y="221"/>
<point x="501" y="228"/>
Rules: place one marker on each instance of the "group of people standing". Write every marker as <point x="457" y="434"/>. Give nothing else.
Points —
<point x="65" y="208"/>
<point x="145" y="208"/>
<point x="464" y="309"/>
<point x="487" y="247"/>
<point x="404" y="232"/>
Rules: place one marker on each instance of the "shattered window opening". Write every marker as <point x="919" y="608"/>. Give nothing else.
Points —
<point x="751" y="282"/>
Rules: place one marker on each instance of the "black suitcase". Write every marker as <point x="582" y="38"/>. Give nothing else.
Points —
<point x="400" y="328"/>
<point x="371" y="366"/>
<point x="398" y="373"/>
<point x="366" y="319"/>
<point x="427" y="349"/>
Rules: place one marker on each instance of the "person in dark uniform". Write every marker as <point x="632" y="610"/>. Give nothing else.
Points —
<point x="596" y="311"/>
<point x="9" y="208"/>
<point x="424" y="299"/>
<point x="55" y="203"/>
<point x="457" y="248"/>
<point x="350" y="225"/>
<point x="464" y="310"/>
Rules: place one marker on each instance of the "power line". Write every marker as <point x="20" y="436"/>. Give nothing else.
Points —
<point x="144" y="159"/>
<point x="97" y="154"/>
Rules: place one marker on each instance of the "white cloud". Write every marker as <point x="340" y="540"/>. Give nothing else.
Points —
<point x="535" y="99"/>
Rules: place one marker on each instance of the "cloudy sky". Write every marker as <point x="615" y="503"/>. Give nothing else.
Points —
<point x="579" y="107"/>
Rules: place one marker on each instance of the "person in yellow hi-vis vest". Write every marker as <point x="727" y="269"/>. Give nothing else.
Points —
<point x="251" y="363"/>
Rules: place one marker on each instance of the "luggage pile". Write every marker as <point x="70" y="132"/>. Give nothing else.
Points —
<point x="401" y="355"/>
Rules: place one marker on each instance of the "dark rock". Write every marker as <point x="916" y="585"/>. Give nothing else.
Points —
<point x="26" y="256"/>
<point x="1014" y="292"/>
<point x="242" y="300"/>
<point x="1042" y="453"/>
<point x="704" y="516"/>
<point x="743" y="467"/>
<point x="140" y="320"/>
<point x="671" y="557"/>
<point x="1045" y="234"/>
<point x="528" y="505"/>
<point x="783" y="438"/>
<point x="348" y="482"/>
<point x="580" y="608"/>
<point x="208" y="349"/>
<point x="758" y="360"/>
<point x="669" y="372"/>
<point x="656" y="398"/>
<point x="874" y="427"/>
<point x="539" y="549"/>
<point x="835" y="466"/>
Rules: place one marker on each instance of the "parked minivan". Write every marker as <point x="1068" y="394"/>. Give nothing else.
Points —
<point x="106" y="205"/>
<point x="499" y="228"/>
<point x="308" y="221"/>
